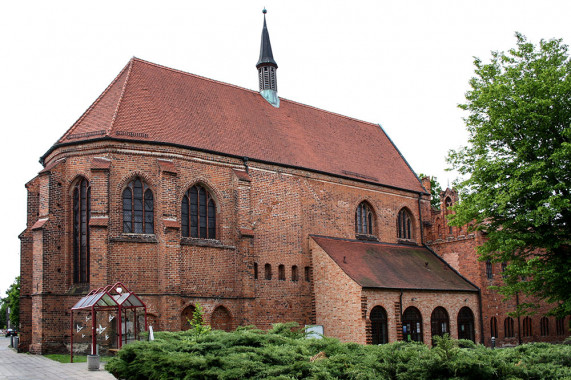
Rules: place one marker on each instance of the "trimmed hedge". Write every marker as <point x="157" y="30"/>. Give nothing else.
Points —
<point x="284" y="353"/>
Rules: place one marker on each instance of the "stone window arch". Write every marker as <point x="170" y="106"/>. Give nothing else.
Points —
<point x="466" y="324"/>
<point x="364" y="219"/>
<point x="198" y="213"/>
<point x="412" y="324"/>
<point x="379" y="329"/>
<point x="439" y="322"/>
<point x="186" y="316"/>
<point x="138" y="208"/>
<point x="404" y="224"/>
<point x="509" y="327"/>
<point x="81" y="214"/>
<point x="221" y="319"/>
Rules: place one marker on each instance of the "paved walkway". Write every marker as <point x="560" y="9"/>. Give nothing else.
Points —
<point x="36" y="367"/>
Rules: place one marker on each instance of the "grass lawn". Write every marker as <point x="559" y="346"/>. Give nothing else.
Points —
<point x="64" y="358"/>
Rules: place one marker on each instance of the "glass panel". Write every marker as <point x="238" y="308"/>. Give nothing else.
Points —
<point x="184" y="215"/>
<point x="211" y="220"/>
<point x="127" y="216"/>
<point x="149" y="212"/>
<point x="202" y="212"/>
<point x="194" y="212"/>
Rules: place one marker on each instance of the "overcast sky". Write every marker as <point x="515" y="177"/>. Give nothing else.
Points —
<point x="402" y="64"/>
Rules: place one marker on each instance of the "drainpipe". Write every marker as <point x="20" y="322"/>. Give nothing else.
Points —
<point x="420" y="217"/>
<point x="400" y="313"/>
<point x="518" y="318"/>
<point x="246" y="159"/>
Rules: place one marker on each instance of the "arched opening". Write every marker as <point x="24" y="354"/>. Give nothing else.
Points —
<point x="379" y="325"/>
<point x="81" y="216"/>
<point x="439" y="322"/>
<point x="493" y="327"/>
<point x="412" y="324"/>
<point x="268" y="272"/>
<point x="466" y="324"/>
<point x="198" y="213"/>
<point x="509" y="327"/>
<point x="186" y="317"/>
<point x="364" y="219"/>
<point x="221" y="319"/>
<point x="527" y="330"/>
<point x="404" y="225"/>
<point x="138" y="208"/>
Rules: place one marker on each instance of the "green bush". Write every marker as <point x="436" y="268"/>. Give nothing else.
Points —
<point x="284" y="353"/>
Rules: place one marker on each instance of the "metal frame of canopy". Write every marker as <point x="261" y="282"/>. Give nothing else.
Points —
<point x="111" y="297"/>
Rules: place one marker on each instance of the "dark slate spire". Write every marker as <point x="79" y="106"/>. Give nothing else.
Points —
<point x="266" y="56"/>
<point x="267" y="68"/>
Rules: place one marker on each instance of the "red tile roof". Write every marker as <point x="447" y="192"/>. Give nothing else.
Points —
<point x="148" y="102"/>
<point x="392" y="266"/>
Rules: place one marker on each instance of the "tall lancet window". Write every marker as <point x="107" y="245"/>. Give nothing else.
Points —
<point x="364" y="219"/>
<point x="81" y="215"/>
<point x="138" y="208"/>
<point x="198" y="214"/>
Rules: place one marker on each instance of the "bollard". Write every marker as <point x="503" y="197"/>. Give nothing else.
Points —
<point x="493" y="343"/>
<point x="11" y="340"/>
<point x="16" y="342"/>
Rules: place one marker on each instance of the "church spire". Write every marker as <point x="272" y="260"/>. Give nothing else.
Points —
<point x="267" y="68"/>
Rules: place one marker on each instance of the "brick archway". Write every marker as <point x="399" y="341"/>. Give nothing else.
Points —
<point x="221" y="319"/>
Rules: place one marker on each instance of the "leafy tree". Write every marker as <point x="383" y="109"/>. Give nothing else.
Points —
<point x="197" y="325"/>
<point x="435" y="190"/>
<point x="3" y="309"/>
<point x="12" y="301"/>
<point x="517" y="167"/>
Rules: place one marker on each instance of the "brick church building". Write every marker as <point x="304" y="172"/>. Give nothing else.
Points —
<point x="260" y="209"/>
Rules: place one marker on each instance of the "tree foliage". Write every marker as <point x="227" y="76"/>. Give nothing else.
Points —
<point x="435" y="190"/>
<point x="12" y="302"/>
<point x="517" y="167"/>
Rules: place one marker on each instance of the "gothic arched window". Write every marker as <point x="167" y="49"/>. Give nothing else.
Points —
<point x="198" y="216"/>
<point x="81" y="215"/>
<point x="138" y="208"/>
<point x="404" y="225"/>
<point x="364" y="219"/>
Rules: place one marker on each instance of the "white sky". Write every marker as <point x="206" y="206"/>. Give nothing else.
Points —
<point x="402" y="64"/>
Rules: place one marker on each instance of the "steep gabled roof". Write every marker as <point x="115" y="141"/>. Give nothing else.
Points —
<point x="392" y="266"/>
<point x="156" y="104"/>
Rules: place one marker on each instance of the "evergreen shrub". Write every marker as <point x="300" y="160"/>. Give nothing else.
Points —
<point x="284" y="353"/>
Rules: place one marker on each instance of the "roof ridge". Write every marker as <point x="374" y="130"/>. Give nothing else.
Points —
<point x="252" y="91"/>
<point x="114" y="117"/>
<point x="92" y="106"/>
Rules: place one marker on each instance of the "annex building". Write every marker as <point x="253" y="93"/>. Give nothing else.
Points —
<point x="260" y="209"/>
